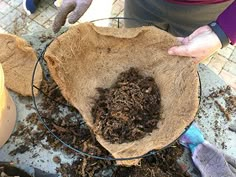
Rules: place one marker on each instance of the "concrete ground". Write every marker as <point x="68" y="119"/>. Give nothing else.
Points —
<point x="14" y="20"/>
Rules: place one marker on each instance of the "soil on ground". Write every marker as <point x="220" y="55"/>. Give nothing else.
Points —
<point x="129" y="109"/>
<point x="67" y="123"/>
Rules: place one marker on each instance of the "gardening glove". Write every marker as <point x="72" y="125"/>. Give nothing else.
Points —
<point x="76" y="8"/>
<point x="210" y="161"/>
<point x="232" y="126"/>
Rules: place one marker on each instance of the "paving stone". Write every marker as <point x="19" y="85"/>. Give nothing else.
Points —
<point x="10" y="18"/>
<point x="230" y="67"/>
<point x="226" y="52"/>
<point x="3" y="31"/>
<point x="53" y="6"/>
<point x="21" y="9"/>
<point x="13" y="29"/>
<point x="114" y="1"/>
<point x="5" y="8"/>
<point x="23" y="31"/>
<point x="19" y="25"/>
<point x="117" y="8"/>
<point x="48" y="24"/>
<point x="1" y="16"/>
<point x="229" y="78"/>
<point x="231" y="46"/>
<point x="34" y="15"/>
<point x="233" y="56"/>
<point x="35" y="27"/>
<point x="14" y="3"/>
<point x="121" y="14"/>
<point x="206" y="61"/>
<point x="44" y="4"/>
<point x="51" y="2"/>
<point x="113" y="23"/>
<point x="217" y="63"/>
<point x="44" y="16"/>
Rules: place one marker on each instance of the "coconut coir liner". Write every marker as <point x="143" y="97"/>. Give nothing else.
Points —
<point x="18" y="59"/>
<point x="87" y="57"/>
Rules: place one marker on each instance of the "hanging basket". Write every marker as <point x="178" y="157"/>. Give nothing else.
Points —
<point x="87" y="57"/>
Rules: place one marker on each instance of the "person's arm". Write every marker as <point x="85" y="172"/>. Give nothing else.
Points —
<point x="206" y="40"/>
<point x="227" y="22"/>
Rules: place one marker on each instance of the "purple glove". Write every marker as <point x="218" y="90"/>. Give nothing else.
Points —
<point x="76" y="7"/>
<point x="210" y="161"/>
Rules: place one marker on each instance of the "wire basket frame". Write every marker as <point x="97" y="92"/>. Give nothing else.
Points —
<point x="118" y="21"/>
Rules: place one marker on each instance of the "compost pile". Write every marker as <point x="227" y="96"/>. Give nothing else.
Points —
<point x="129" y="109"/>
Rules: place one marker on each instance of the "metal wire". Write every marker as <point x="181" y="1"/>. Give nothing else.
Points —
<point x="40" y="117"/>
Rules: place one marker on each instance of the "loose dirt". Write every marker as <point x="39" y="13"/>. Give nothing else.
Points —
<point x="129" y="109"/>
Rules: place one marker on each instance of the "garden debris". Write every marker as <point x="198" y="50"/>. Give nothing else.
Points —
<point x="56" y="159"/>
<point x="163" y="164"/>
<point x="19" y="150"/>
<point x="229" y="100"/>
<point x="222" y="109"/>
<point x="221" y="102"/>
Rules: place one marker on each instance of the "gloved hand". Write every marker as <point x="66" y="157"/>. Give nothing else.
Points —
<point x="76" y="7"/>
<point x="210" y="161"/>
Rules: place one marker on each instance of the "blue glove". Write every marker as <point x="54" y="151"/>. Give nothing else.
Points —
<point x="210" y="161"/>
<point x="192" y="138"/>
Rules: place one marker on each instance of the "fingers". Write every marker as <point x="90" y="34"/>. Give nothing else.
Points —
<point x="195" y="45"/>
<point x="183" y="40"/>
<point x="75" y="15"/>
<point x="185" y="50"/>
<point x="60" y="18"/>
<point x="78" y="11"/>
<point x="232" y="126"/>
<point x="232" y="169"/>
<point x="180" y="39"/>
<point x="182" y="50"/>
<point x="230" y="160"/>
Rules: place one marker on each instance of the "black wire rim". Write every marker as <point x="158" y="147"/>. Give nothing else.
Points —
<point x="40" y="117"/>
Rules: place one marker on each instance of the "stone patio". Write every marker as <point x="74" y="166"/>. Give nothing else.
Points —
<point x="14" y="20"/>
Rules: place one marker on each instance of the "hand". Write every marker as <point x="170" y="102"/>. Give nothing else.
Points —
<point x="201" y="44"/>
<point x="209" y="160"/>
<point x="213" y="162"/>
<point x="232" y="126"/>
<point x="192" y="138"/>
<point x="76" y="7"/>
